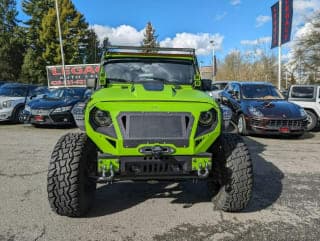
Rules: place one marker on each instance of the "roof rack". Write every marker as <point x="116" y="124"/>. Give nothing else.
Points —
<point x="162" y="50"/>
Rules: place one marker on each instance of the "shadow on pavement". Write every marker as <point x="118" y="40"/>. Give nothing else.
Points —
<point x="123" y="195"/>
<point x="267" y="186"/>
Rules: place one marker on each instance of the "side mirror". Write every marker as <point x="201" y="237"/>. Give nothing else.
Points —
<point x="92" y="83"/>
<point x="206" y="84"/>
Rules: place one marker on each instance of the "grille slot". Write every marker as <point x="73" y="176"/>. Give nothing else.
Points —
<point x="154" y="168"/>
<point x="276" y="124"/>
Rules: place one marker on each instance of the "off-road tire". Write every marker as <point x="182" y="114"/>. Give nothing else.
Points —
<point x="232" y="181"/>
<point x="313" y="118"/>
<point x="243" y="130"/>
<point x="70" y="190"/>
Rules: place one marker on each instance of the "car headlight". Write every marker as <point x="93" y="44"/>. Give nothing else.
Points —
<point x="7" y="103"/>
<point x="207" y="117"/>
<point x="62" y="109"/>
<point x="101" y="118"/>
<point x="303" y="112"/>
<point x="255" y="112"/>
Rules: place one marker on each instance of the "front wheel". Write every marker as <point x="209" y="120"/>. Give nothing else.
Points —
<point x="242" y="127"/>
<point x="70" y="190"/>
<point x="232" y="173"/>
<point x="312" y="120"/>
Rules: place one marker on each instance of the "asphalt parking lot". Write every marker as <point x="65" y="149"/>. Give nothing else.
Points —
<point x="285" y="203"/>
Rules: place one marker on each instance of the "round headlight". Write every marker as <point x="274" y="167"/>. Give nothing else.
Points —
<point x="102" y="118"/>
<point x="207" y="118"/>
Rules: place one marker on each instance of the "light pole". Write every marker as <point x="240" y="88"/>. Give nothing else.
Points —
<point x="61" y="44"/>
<point x="279" y="44"/>
<point x="213" y="67"/>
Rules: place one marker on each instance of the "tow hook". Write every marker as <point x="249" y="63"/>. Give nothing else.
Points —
<point x="104" y="177"/>
<point x="203" y="172"/>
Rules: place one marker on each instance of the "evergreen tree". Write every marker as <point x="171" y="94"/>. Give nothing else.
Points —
<point x="33" y="68"/>
<point x="92" y="48"/>
<point x="150" y="39"/>
<point x="12" y="45"/>
<point x="74" y="34"/>
<point x="105" y="43"/>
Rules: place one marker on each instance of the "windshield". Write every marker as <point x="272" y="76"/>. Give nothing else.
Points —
<point x="13" y="91"/>
<point x="167" y="71"/>
<point x="260" y="91"/>
<point x="65" y="93"/>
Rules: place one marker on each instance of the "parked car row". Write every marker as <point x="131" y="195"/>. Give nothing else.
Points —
<point x="56" y="107"/>
<point x="258" y="107"/>
<point x="253" y="107"/>
<point x="13" y="98"/>
<point x="38" y="105"/>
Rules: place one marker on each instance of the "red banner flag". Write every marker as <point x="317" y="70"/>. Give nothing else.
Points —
<point x="286" y="22"/>
<point x="275" y="25"/>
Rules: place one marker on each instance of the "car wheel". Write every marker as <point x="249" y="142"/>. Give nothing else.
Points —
<point x="312" y="120"/>
<point x="242" y="128"/>
<point x="232" y="174"/>
<point x="70" y="189"/>
<point x="17" y="118"/>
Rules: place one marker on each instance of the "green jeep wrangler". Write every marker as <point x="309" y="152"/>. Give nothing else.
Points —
<point x="149" y="119"/>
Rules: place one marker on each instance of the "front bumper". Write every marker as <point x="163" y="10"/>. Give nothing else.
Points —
<point x="276" y="126"/>
<point x="5" y="114"/>
<point x="154" y="167"/>
<point x="59" y="119"/>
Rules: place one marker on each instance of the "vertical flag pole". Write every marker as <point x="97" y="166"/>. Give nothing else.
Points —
<point x="61" y="45"/>
<point x="279" y="44"/>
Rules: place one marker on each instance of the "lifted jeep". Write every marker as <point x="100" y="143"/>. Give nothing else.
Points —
<point x="149" y="119"/>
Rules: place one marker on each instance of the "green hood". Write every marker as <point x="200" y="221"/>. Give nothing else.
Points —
<point x="170" y="93"/>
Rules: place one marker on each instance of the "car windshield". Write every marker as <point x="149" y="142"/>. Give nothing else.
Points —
<point x="13" y="91"/>
<point x="65" y="93"/>
<point x="260" y="91"/>
<point x="166" y="71"/>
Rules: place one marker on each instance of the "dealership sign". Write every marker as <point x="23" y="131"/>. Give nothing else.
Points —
<point x="76" y="75"/>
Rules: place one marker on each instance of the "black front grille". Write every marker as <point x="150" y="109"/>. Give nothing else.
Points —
<point x="155" y="167"/>
<point x="276" y="124"/>
<point x="65" y="117"/>
<point x="292" y="124"/>
<point x="155" y="127"/>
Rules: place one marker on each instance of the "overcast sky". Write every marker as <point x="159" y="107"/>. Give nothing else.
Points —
<point x="232" y="24"/>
